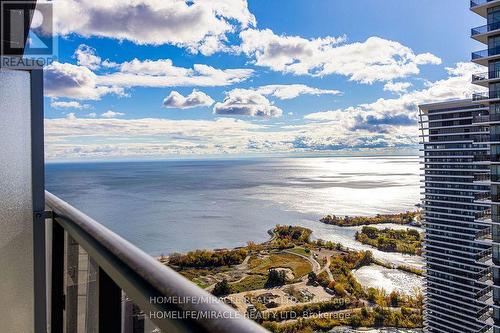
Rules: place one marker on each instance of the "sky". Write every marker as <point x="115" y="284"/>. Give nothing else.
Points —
<point x="156" y="79"/>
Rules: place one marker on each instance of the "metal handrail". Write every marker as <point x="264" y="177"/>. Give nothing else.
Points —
<point x="485" y="28"/>
<point x="486" y="76"/>
<point x="475" y="3"/>
<point x="143" y="278"/>
<point x="494" y="94"/>
<point x="486" y="53"/>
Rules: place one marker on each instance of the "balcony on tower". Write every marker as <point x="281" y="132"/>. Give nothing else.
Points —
<point x="484" y="79"/>
<point x="482" y="198"/>
<point x="482" y="57"/>
<point x="484" y="235"/>
<point x="483" y="216"/>
<point x="487" y="97"/>
<point x="482" y="178"/>
<point x="482" y="33"/>
<point x="486" y="118"/>
<point x="480" y="7"/>
<point x="484" y="256"/>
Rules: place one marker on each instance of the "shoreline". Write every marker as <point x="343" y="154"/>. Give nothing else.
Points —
<point x="387" y="263"/>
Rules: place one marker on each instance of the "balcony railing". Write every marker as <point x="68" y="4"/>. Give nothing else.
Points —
<point x="485" y="53"/>
<point x="487" y="118"/>
<point x="485" y="29"/>
<point x="482" y="118"/>
<point x="480" y="76"/>
<point x="487" y="276"/>
<point x="484" y="256"/>
<point x="487" y="138"/>
<point x="482" y="177"/>
<point x="484" y="298"/>
<point x="484" y="234"/>
<point x="486" y="95"/>
<point x="482" y="196"/>
<point x="482" y="158"/>
<point x="486" y="76"/>
<point x="483" y="216"/>
<point x="112" y="275"/>
<point x="475" y="3"/>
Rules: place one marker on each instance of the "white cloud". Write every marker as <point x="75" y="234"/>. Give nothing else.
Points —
<point x="384" y="123"/>
<point x="375" y="59"/>
<point x="71" y="116"/>
<point x="194" y="99"/>
<point x="162" y="73"/>
<point x="248" y="103"/>
<point x="111" y="114"/>
<point x="68" y="105"/>
<point x="289" y="91"/>
<point x="397" y="87"/>
<point x="92" y="115"/>
<point x="86" y="56"/>
<point x="80" y="82"/>
<point x="252" y="102"/>
<point x="384" y="115"/>
<point x="198" y="25"/>
<point x="107" y="138"/>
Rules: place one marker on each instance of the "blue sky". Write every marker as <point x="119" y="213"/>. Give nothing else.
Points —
<point x="159" y="79"/>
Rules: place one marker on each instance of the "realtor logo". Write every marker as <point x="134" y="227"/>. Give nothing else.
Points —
<point x="27" y="49"/>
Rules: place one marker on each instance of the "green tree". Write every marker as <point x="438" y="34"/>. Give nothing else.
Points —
<point x="394" y="299"/>
<point x="275" y="278"/>
<point x="355" y="321"/>
<point x="221" y="288"/>
<point x="312" y="277"/>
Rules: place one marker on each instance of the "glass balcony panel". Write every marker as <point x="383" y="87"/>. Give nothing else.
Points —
<point x="485" y="28"/>
<point x="118" y="268"/>
<point x="486" y="95"/>
<point x="486" y="76"/>
<point x="486" y="53"/>
<point x="475" y="3"/>
<point x="81" y="289"/>
<point x="81" y="309"/>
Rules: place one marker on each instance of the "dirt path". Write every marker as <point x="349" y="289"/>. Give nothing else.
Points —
<point x="327" y="268"/>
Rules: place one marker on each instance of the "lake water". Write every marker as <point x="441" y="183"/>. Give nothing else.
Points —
<point x="176" y="206"/>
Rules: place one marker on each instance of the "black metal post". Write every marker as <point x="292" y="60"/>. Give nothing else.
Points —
<point x="38" y="197"/>
<point x="57" y="291"/>
<point x="110" y="304"/>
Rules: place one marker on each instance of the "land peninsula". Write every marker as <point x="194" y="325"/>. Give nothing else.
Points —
<point x="292" y="284"/>
<point x="407" y="241"/>
<point x="408" y="217"/>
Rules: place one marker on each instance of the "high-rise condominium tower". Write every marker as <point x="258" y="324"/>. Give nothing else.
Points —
<point x="489" y="35"/>
<point x="461" y="156"/>
<point x="456" y="217"/>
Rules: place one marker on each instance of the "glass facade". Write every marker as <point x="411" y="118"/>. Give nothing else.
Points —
<point x="493" y="18"/>
<point x="458" y="251"/>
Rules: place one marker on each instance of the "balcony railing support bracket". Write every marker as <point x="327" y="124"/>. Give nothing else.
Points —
<point x="43" y="215"/>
